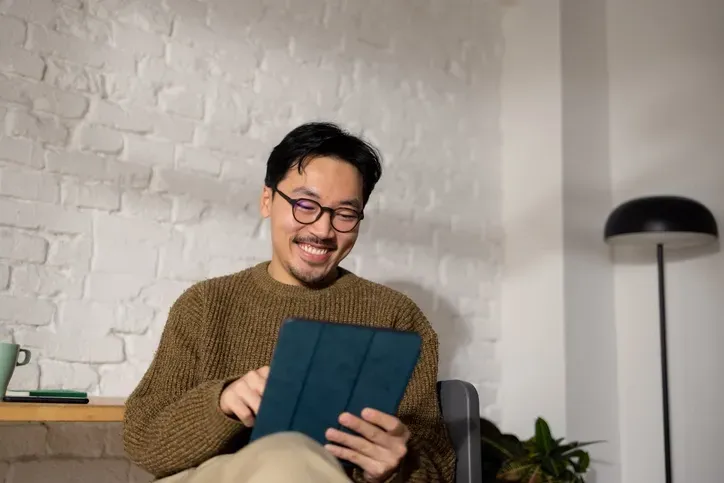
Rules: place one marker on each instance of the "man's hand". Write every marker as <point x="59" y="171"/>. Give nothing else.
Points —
<point x="242" y="397"/>
<point x="379" y="448"/>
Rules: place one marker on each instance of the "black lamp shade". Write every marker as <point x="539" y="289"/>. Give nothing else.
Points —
<point x="666" y="220"/>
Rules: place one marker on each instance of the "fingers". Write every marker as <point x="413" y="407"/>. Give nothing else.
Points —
<point x="242" y="412"/>
<point x="374" y="432"/>
<point x="242" y="398"/>
<point x="376" y="448"/>
<point x="248" y="395"/>
<point x="389" y="423"/>
<point x="357" y="443"/>
<point x="375" y="468"/>
<point x="263" y="372"/>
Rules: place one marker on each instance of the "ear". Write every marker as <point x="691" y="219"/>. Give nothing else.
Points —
<point x="265" y="202"/>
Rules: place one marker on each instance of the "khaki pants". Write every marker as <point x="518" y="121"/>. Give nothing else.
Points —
<point x="283" y="457"/>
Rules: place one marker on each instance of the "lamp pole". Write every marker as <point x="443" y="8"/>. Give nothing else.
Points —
<point x="669" y="220"/>
<point x="664" y="360"/>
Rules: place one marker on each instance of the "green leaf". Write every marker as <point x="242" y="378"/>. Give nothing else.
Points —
<point x="553" y="466"/>
<point x="574" y="445"/>
<point x="583" y="460"/>
<point x="543" y="436"/>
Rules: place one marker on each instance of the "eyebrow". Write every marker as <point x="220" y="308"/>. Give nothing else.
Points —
<point x="353" y="202"/>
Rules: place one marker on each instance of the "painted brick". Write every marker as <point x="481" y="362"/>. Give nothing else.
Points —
<point x="100" y="139"/>
<point x="230" y="108"/>
<point x="127" y="245"/>
<point x="12" y="31"/>
<point x="138" y="41"/>
<point x="114" y="287"/>
<point x="4" y="277"/>
<point x="124" y="119"/>
<point x="51" y="217"/>
<point x="179" y="183"/>
<point x="146" y="205"/>
<point x="91" y="195"/>
<point x="36" y="11"/>
<point x="116" y="379"/>
<point x="188" y="8"/>
<point x="133" y="318"/>
<point x="43" y="98"/>
<point x="38" y="127"/>
<point x="70" y="251"/>
<point x="72" y="77"/>
<point x="92" y="167"/>
<point x="26" y="310"/>
<point x="66" y="375"/>
<point x="149" y="152"/>
<point x="31" y="280"/>
<point x="93" y="318"/>
<point x="74" y="346"/>
<point x="176" y="264"/>
<point x="182" y="102"/>
<point x="147" y="16"/>
<point x="79" y="51"/>
<point x="21" y="246"/>
<point x="15" y="60"/>
<point x="201" y="160"/>
<point x="26" y="377"/>
<point x="79" y="24"/>
<point x="203" y="90"/>
<point x="29" y="185"/>
<point x="120" y="88"/>
<point x="18" y="151"/>
<point x="188" y="210"/>
<point x="173" y="128"/>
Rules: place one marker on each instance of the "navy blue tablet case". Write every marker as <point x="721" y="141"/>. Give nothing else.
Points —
<point x="321" y="369"/>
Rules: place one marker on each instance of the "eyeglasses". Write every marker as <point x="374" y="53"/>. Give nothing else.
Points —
<point x="308" y="211"/>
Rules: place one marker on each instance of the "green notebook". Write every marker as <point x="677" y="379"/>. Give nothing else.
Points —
<point x="49" y="393"/>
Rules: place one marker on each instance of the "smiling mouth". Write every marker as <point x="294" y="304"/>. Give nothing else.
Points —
<point x="314" y="250"/>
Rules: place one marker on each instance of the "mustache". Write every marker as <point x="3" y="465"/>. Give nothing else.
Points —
<point x="313" y="240"/>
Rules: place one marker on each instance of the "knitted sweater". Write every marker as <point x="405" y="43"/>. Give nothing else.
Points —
<point x="221" y="328"/>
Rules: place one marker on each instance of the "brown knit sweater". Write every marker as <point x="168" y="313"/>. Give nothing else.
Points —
<point x="221" y="328"/>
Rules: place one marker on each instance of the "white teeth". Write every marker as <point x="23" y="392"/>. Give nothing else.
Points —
<point x="313" y="250"/>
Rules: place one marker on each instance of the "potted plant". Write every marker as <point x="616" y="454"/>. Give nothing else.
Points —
<point x="539" y="459"/>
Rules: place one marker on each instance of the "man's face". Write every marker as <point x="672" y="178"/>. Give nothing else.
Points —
<point x="309" y="254"/>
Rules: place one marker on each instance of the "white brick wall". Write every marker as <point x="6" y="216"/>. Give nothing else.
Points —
<point x="133" y="137"/>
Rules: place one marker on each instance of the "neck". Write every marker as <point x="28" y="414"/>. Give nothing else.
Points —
<point x="280" y="274"/>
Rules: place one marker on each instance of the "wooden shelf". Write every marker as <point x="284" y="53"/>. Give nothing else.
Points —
<point x="99" y="409"/>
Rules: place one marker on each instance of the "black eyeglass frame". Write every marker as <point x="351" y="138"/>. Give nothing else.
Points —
<point x="332" y="211"/>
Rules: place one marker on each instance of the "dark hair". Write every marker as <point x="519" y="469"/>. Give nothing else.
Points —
<point x="317" y="139"/>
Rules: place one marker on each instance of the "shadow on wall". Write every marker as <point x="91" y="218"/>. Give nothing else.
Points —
<point x="427" y="82"/>
<point x="453" y="334"/>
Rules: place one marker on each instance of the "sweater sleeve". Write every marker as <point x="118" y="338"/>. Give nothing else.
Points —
<point x="173" y="420"/>
<point x="430" y="456"/>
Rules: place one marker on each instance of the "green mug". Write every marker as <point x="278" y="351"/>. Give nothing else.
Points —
<point x="8" y="361"/>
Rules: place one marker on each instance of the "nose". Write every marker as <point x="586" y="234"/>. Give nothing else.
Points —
<point x="322" y="228"/>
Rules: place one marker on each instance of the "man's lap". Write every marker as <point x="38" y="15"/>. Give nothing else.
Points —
<point x="279" y="457"/>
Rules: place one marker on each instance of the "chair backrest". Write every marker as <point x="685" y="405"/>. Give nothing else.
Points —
<point x="460" y="409"/>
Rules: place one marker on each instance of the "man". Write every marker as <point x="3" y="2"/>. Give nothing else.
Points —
<point x="190" y="417"/>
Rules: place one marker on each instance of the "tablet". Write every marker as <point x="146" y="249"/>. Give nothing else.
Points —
<point x="321" y="369"/>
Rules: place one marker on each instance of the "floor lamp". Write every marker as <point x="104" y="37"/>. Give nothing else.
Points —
<point x="662" y="221"/>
